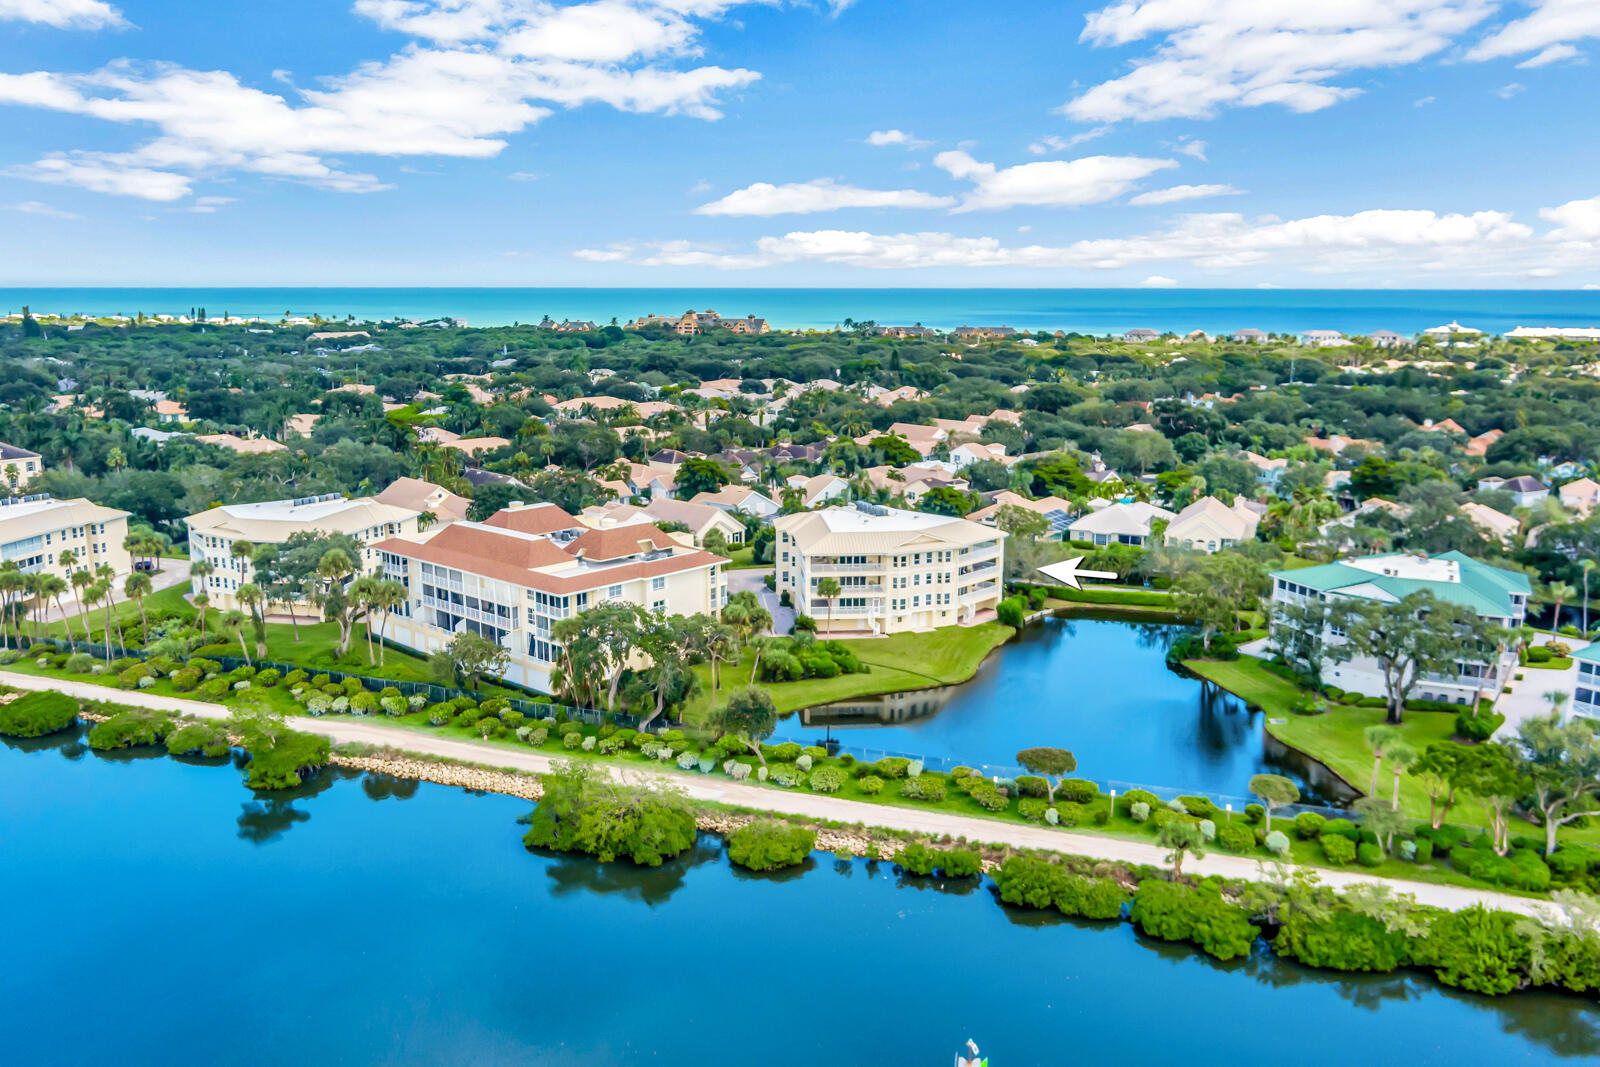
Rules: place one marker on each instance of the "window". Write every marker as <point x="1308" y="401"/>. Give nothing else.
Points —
<point x="613" y="592"/>
<point x="657" y="584"/>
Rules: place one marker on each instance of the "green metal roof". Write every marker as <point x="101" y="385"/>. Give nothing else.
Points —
<point x="1486" y="590"/>
<point x="1589" y="652"/>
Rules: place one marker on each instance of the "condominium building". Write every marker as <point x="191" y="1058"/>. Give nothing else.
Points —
<point x="897" y="570"/>
<point x="18" y="466"/>
<point x="1586" y="691"/>
<point x="35" y="530"/>
<point x="213" y="533"/>
<point x="1499" y="597"/>
<point x="511" y="579"/>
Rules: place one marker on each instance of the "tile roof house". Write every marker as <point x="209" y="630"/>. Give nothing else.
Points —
<point x="1580" y="495"/>
<point x="1208" y="525"/>
<point x="1055" y="511"/>
<point x="19" y="466"/>
<point x="1479" y="445"/>
<point x="414" y="494"/>
<point x="1496" y="525"/>
<point x="819" y="488"/>
<point x="1118" y="524"/>
<point x="244" y="446"/>
<point x="1525" y="489"/>
<point x="739" y="498"/>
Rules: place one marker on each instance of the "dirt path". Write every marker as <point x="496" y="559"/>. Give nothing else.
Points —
<point x="810" y="805"/>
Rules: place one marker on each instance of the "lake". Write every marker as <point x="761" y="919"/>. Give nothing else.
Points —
<point x="1096" y="684"/>
<point x="163" y="914"/>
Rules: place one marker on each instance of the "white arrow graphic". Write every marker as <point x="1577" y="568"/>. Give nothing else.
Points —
<point x="1067" y="573"/>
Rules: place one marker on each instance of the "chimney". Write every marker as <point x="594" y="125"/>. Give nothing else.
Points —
<point x="514" y="505"/>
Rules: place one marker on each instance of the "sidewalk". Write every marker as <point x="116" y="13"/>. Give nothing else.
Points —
<point x="809" y="805"/>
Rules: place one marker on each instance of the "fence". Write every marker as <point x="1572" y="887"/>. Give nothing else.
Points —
<point x="435" y="694"/>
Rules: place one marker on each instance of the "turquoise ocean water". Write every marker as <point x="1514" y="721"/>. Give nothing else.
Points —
<point x="1098" y="311"/>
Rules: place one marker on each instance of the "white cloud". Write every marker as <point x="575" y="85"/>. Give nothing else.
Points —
<point x="1053" y="183"/>
<point x="64" y="14"/>
<point x="1548" y="29"/>
<point x="1491" y="242"/>
<point x="1554" y="54"/>
<point x="888" y="138"/>
<point x="1197" y="149"/>
<point x="1506" y="92"/>
<point x="207" y="205"/>
<point x="1576" y="220"/>
<point x="1158" y="281"/>
<point x="483" y="70"/>
<point x="525" y="175"/>
<point x="1053" y="143"/>
<point x="1423" y="101"/>
<point x="1183" y="192"/>
<point x="804" y="198"/>
<point x="1212" y="55"/>
<point x="36" y="207"/>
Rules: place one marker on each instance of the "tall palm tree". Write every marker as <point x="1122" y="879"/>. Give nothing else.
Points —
<point x="202" y="601"/>
<point x="388" y="595"/>
<point x="98" y="592"/>
<point x="81" y="580"/>
<point x="51" y="587"/>
<point x="233" y="623"/>
<point x="136" y="587"/>
<point x="250" y="595"/>
<point x="1560" y="592"/>
<point x="12" y="585"/>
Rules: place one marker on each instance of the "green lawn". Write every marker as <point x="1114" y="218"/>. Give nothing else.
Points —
<point x="898" y="662"/>
<point x="744" y="559"/>
<point x="1336" y="739"/>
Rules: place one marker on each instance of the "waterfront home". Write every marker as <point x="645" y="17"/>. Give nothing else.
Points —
<point x="897" y="570"/>
<point x="739" y="498"/>
<point x="1208" y="525"/>
<point x="1500" y="597"/>
<point x="1141" y="335"/>
<point x="414" y="494"/>
<point x="35" y="530"/>
<point x="982" y="333"/>
<point x="1253" y="337"/>
<point x="505" y="582"/>
<point x="1119" y="524"/>
<point x="1586" y="682"/>
<point x="1387" y="339"/>
<point x="212" y="534"/>
<point x="1525" y="489"/>
<point x="19" y="466"/>
<point x="1452" y="329"/>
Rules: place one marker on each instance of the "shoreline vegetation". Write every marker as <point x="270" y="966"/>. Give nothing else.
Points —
<point x="1289" y="914"/>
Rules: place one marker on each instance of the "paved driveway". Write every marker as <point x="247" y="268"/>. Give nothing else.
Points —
<point x="754" y="580"/>
<point x="1527" y="697"/>
<point x="173" y="572"/>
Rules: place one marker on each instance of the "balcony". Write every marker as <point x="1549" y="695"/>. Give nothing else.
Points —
<point x="819" y="609"/>
<point x="875" y="589"/>
<point x="845" y="568"/>
<point x="500" y="622"/>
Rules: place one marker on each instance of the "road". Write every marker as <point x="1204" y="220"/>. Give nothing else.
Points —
<point x="808" y="805"/>
<point x="754" y="580"/>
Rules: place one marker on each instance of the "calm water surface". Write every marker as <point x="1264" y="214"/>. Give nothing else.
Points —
<point x="161" y="914"/>
<point x="1098" y="686"/>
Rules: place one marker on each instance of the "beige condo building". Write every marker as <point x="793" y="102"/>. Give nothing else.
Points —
<point x="213" y="533"/>
<point x="897" y="570"/>
<point x="35" y="530"/>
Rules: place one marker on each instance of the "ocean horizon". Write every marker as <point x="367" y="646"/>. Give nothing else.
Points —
<point x="1092" y="311"/>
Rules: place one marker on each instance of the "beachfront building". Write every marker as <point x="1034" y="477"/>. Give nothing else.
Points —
<point x="511" y="579"/>
<point x="897" y="570"/>
<point x="1499" y="597"/>
<point x="213" y="533"/>
<point x="1586" y="690"/>
<point x="35" y="530"/>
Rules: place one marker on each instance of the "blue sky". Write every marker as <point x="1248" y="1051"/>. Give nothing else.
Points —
<point x="1427" y="143"/>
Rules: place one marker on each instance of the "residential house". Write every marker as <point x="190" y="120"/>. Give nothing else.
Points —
<point x="1141" y="335"/>
<point x="982" y="333"/>
<point x="1268" y="471"/>
<point x="1099" y="473"/>
<point x="889" y="397"/>
<point x="244" y="446"/>
<point x="1580" y="496"/>
<point x="1323" y="339"/>
<point x="1335" y="444"/>
<point x="897" y="570"/>
<point x="513" y="587"/>
<point x="1253" y="337"/>
<point x="1387" y="339"/>
<point x="302" y="424"/>
<point x="212" y="535"/>
<point x="818" y="489"/>
<point x="1208" y="525"/>
<point x="1479" y="445"/>
<point x="1443" y="426"/>
<point x="1057" y="513"/>
<point x="19" y="466"/>
<point x="473" y="446"/>
<point x="35" y="530"/>
<point x="1452" y="329"/>
<point x="1119" y="524"/>
<point x="699" y="519"/>
<point x="1525" y="489"/>
<point x="425" y="498"/>
<point x="168" y="411"/>
<point x="1497" y="526"/>
<point x="1499" y="597"/>
<point x="739" y="498"/>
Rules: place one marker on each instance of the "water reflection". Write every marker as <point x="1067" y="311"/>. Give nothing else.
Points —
<point x="1096" y="684"/>
<point x="272" y="814"/>
<point x="572" y="874"/>
<point x="68" y="742"/>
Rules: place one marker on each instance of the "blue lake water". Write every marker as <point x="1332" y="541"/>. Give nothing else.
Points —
<point x="160" y="913"/>
<point x="1099" y="311"/>
<point x="1098" y="686"/>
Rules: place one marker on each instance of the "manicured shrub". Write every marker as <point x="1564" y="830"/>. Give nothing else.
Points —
<point x="1255" y="814"/>
<point x="1028" y="881"/>
<point x="79" y="663"/>
<point x="1137" y="796"/>
<point x="320" y="680"/>
<point x="37" y="714"/>
<point x="917" y="858"/>
<point x="1337" y="849"/>
<point x="1140" y="811"/>
<point x="268" y="677"/>
<point x="827" y="779"/>
<point x="769" y="845"/>
<point x="570" y="741"/>
<point x="1308" y="824"/>
<point x="214" y="688"/>
<point x="1571" y="863"/>
<point x="1424" y="850"/>
<point x="1369" y="854"/>
<point x="185" y="680"/>
<point x="990" y="798"/>
<point x="1277" y="843"/>
<point x="1174" y="912"/>
<point x="394" y="706"/>
<point x="871" y="785"/>
<point x="1033" y="809"/>
<point x="1200" y="807"/>
<point x="1031" y="785"/>
<point x="927" y="787"/>
<point x="1236" y="837"/>
<point x="364" y="703"/>
<point x="294" y="677"/>
<point x="891" y="767"/>
<point x="1476" y="949"/>
<point x="1076" y="790"/>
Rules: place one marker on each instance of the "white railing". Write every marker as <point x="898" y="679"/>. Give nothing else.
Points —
<point x="844" y="568"/>
<point x="819" y="608"/>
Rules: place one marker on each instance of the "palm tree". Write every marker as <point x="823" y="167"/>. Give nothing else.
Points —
<point x="202" y="601"/>
<point x="81" y="580"/>
<point x="250" y="595"/>
<point x="136" y="587"/>
<point x="388" y="595"/>
<point x="50" y="588"/>
<point x="98" y="591"/>
<point x="233" y="623"/>
<point x="1403" y="757"/>
<point x="12" y="584"/>
<point x="829" y="589"/>
<point x="1560" y="592"/>
<point x="1378" y="737"/>
<point x="199" y="571"/>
